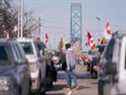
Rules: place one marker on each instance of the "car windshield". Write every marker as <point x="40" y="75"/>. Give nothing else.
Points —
<point x="20" y="54"/>
<point x="4" y="59"/>
<point x="3" y="53"/>
<point x="27" y="47"/>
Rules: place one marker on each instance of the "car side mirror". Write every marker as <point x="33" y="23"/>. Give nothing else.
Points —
<point x="17" y="62"/>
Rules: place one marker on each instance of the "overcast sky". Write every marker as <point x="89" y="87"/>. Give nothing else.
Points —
<point x="55" y="15"/>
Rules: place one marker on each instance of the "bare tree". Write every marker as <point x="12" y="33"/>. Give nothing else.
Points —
<point x="9" y="19"/>
<point x="31" y="24"/>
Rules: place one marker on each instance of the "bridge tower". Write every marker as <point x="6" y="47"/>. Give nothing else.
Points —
<point x="76" y="22"/>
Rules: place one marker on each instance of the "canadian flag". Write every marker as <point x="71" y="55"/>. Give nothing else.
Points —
<point x="90" y="41"/>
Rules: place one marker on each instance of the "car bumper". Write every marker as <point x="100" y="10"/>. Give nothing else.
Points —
<point x="35" y="84"/>
<point x="8" y="93"/>
<point x="35" y="80"/>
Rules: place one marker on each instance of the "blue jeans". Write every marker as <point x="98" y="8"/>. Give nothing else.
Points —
<point x="71" y="79"/>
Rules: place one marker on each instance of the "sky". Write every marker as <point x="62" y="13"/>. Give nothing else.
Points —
<point x="55" y="16"/>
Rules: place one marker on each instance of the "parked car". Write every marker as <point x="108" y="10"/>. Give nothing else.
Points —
<point x="14" y="73"/>
<point x="37" y="65"/>
<point x="112" y="72"/>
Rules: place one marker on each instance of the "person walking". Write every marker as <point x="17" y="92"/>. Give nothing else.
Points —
<point x="70" y="70"/>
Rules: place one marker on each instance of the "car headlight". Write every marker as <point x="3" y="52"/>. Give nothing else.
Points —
<point x="35" y="74"/>
<point x="34" y="70"/>
<point x="4" y="84"/>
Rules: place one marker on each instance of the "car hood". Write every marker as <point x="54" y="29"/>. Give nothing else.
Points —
<point x="31" y="58"/>
<point x="6" y="70"/>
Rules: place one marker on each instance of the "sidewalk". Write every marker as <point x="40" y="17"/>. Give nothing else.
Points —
<point x="85" y="87"/>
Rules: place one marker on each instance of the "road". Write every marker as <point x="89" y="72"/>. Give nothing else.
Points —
<point x="86" y="86"/>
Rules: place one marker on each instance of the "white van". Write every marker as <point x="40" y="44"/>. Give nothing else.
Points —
<point x="37" y="65"/>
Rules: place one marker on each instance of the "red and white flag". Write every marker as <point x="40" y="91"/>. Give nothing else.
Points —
<point x="108" y="28"/>
<point x="90" y="40"/>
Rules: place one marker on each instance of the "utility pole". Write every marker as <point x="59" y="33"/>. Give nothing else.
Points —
<point x="22" y="13"/>
<point x="20" y="17"/>
<point x="39" y="28"/>
<point x="19" y="7"/>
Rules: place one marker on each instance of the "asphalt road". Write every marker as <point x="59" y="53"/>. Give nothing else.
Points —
<point x="86" y="86"/>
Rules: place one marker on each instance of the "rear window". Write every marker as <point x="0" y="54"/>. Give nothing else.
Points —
<point x="3" y="54"/>
<point x="27" y="47"/>
<point x="19" y="54"/>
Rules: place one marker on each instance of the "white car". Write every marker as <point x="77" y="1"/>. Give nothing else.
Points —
<point x="112" y="72"/>
<point x="37" y="65"/>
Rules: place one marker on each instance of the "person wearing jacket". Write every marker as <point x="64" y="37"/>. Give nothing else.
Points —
<point x="71" y="63"/>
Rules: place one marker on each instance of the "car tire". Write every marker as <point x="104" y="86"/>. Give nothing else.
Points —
<point x="100" y="87"/>
<point x="107" y="89"/>
<point x="39" y="82"/>
<point x="41" y="90"/>
<point x="30" y="92"/>
<point x="104" y="88"/>
<point x="15" y="92"/>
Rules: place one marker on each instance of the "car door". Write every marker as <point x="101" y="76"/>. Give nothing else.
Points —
<point x="21" y="69"/>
